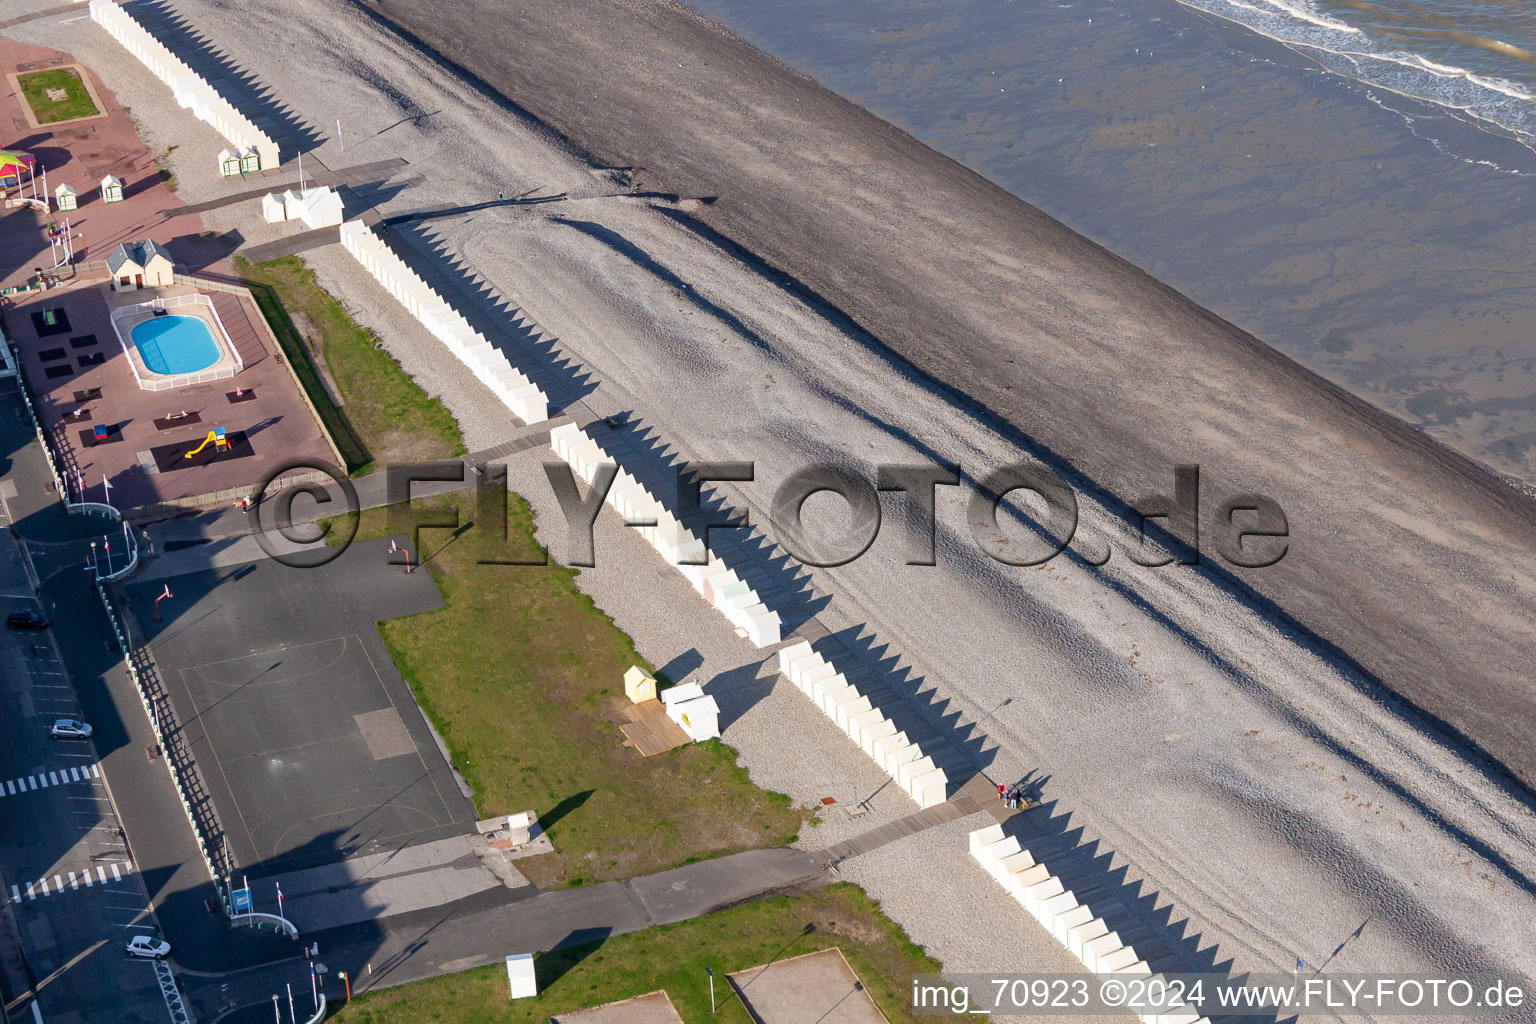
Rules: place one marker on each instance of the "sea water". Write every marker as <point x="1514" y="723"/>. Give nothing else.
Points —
<point x="1352" y="182"/>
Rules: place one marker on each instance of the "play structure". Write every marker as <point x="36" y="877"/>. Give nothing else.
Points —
<point x="15" y="167"/>
<point x="20" y="171"/>
<point x="61" y="241"/>
<point x="216" y="438"/>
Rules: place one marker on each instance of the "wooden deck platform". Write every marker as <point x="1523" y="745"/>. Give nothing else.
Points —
<point x="649" y="730"/>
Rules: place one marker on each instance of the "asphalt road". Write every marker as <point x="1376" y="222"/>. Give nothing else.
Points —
<point x="73" y="890"/>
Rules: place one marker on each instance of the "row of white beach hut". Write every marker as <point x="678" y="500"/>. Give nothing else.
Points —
<point x="857" y="711"/>
<point x="189" y="88"/>
<point x="715" y="581"/>
<point x="1075" y="925"/>
<point x="490" y="365"/>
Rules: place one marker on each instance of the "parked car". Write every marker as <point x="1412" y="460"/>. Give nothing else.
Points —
<point x="26" y="620"/>
<point x="69" y="729"/>
<point x="148" y="947"/>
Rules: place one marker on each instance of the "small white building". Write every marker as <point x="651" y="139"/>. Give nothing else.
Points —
<point x="293" y="204"/>
<point x="66" y="198"/>
<point x="111" y="189"/>
<point x="136" y="265"/>
<point x="320" y="207"/>
<point x="520" y="827"/>
<point x="229" y="163"/>
<point x="693" y="710"/>
<point x="272" y="209"/>
<point x="520" y="976"/>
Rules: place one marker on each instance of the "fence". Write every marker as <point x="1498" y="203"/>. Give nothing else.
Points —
<point x="189" y="88"/>
<point x="163" y="382"/>
<point x="8" y="362"/>
<point x="133" y="660"/>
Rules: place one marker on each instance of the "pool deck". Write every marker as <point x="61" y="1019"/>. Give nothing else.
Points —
<point x="225" y="364"/>
<point x="278" y="422"/>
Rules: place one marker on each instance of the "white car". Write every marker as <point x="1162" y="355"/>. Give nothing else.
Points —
<point x="148" y="947"/>
<point x="69" y="729"/>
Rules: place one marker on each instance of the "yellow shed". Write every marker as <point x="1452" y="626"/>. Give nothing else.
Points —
<point x="638" y="686"/>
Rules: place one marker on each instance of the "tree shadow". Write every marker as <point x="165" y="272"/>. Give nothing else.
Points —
<point x="568" y="953"/>
<point x="564" y="807"/>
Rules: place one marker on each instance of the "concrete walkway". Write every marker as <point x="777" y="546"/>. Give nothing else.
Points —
<point x="478" y="932"/>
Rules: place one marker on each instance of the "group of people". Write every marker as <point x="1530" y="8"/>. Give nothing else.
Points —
<point x="1013" y="795"/>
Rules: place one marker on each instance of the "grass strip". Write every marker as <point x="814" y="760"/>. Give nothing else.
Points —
<point x="673" y="958"/>
<point x="384" y="415"/>
<point x="522" y="676"/>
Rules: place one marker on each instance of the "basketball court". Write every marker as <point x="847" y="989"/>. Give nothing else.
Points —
<point x="309" y="741"/>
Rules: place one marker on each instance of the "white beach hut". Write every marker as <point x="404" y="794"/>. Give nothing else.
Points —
<point x="272" y="209"/>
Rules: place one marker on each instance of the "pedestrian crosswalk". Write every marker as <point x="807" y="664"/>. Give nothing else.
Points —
<point x="42" y="780"/>
<point x="89" y="878"/>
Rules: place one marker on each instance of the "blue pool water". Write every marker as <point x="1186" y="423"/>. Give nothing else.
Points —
<point x="175" y="344"/>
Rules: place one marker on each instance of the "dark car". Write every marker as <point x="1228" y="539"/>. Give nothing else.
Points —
<point x="26" y="620"/>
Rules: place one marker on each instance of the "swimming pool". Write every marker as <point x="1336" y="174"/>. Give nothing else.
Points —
<point x="175" y="345"/>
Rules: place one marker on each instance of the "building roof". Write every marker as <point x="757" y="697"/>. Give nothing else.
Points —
<point x="325" y="196"/>
<point x="139" y="253"/>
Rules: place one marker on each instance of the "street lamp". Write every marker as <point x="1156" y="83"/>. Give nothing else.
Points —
<point x="711" y="972"/>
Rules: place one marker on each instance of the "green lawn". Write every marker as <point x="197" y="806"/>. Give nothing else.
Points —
<point x="76" y="102"/>
<point x="523" y="676"/>
<point x="384" y="416"/>
<point x="674" y="958"/>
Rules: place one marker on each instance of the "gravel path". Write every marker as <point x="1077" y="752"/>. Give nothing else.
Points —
<point x="1238" y="775"/>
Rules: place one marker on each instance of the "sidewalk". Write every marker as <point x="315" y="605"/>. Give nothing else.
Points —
<point x="471" y="934"/>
